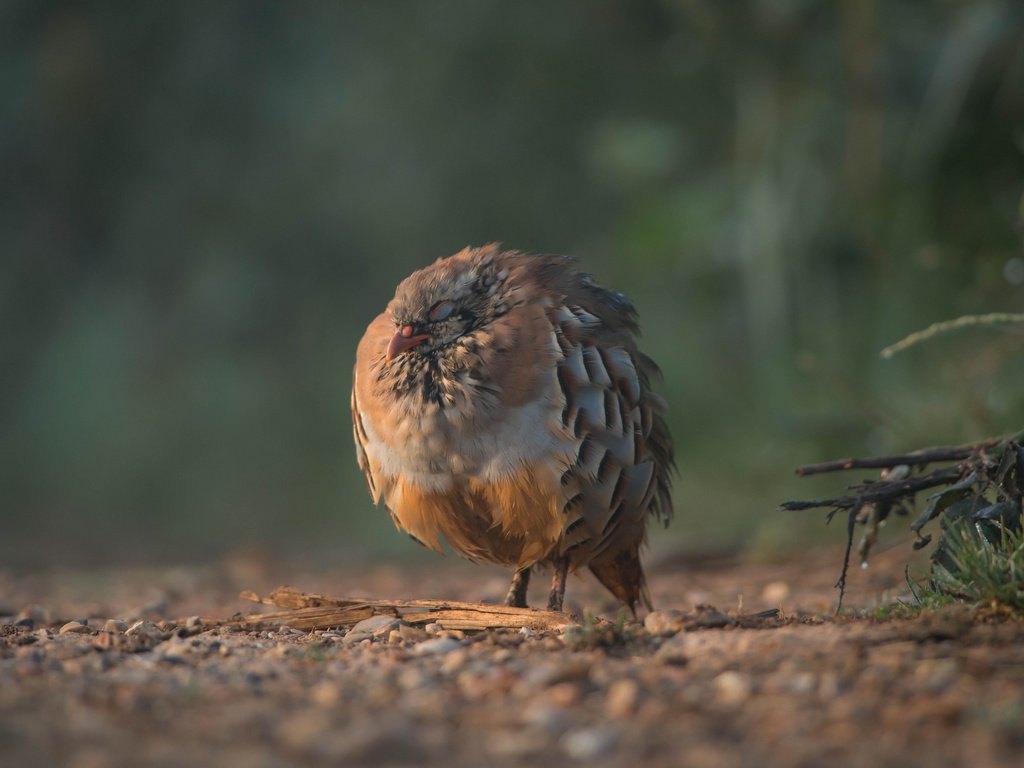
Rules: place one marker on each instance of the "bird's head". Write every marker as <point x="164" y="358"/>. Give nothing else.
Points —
<point x="438" y="305"/>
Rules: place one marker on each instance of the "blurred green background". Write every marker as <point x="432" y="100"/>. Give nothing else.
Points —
<point x="203" y="205"/>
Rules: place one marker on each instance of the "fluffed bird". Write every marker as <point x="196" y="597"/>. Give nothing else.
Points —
<point x="500" y="404"/>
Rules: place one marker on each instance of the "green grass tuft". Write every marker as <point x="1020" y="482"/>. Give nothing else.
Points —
<point x="978" y="571"/>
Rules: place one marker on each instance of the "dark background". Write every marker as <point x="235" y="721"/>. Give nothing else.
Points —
<point x="203" y="205"/>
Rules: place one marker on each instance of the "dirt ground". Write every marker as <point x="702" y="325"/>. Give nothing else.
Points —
<point x="694" y="688"/>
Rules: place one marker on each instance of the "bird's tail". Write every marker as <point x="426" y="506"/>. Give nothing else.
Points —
<point x="623" y="576"/>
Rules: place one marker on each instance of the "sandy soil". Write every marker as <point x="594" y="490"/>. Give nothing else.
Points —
<point x="693" y="688"/>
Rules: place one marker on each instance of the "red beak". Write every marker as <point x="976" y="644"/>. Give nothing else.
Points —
<point x="403" y="340"/>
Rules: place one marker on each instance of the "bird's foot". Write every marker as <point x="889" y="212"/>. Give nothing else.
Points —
<point x="557" y="595"/>
<point x="516" y="597"/>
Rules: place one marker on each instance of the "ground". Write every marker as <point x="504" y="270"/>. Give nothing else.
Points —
<point x="695" y="688"/>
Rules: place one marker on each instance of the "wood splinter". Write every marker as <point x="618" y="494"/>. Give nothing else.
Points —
<point x="309" y="611"/>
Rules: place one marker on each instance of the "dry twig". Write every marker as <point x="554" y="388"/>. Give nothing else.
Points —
<point x="897" y="486"/>
<point x="309" y="612"/>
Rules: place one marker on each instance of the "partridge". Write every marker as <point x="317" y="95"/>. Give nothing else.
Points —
<point x="500" y="404"/>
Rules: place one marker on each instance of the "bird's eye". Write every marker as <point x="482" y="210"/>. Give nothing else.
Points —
<point x="441" y="311"/>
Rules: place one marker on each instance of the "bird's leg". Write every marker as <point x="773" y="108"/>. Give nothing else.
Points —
<point x="558" y="584"/>
<point x="516" y="597"/>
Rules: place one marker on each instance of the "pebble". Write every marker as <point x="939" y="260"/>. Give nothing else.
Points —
<point x="802" y="683"/>
<point x="115" y="626"/>
<point x="454" y="661"/>
<point x="565" y="695"/>
<point x="437" y="647"/>
<point x="143" y="635"/>
<point x="673" y="653"/>
<point x="589" y="743"/>
<point x="620" y="701"/>
<point x="548" y="718"/>
<point x="732" y="687"/>
<point x="666" y="622"/>
<point x="144" y="628"/>
<point x="411" y="634"/>
<point x="33" y="616"/>
<point x="74" y="627"/>
<point x="377" y="626"/>
<point x="175" y="649"/>
<point x="545" y="675"/>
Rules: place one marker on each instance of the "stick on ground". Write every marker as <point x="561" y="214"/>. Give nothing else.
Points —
<point x="308" y="612"/>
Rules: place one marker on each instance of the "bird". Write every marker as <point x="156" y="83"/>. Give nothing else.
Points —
<point x="501" y="406"/>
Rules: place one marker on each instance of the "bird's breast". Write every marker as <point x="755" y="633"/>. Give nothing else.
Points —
<point x="476" y="438"/>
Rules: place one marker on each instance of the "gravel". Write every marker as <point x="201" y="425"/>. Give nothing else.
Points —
<point x="81" y="689"/>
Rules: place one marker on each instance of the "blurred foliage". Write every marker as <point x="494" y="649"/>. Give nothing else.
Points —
<point x="203" y="204"/>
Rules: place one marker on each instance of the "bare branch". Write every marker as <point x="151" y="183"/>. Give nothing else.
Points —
<point x="923" y="456"/>
<point x="881" y="490"/>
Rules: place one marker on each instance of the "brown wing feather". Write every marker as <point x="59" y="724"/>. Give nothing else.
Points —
<point x="623" y="469"/>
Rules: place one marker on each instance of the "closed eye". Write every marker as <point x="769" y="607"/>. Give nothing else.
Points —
<point x="441" y="311"/>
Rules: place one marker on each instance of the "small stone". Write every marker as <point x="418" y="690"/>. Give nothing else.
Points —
<point x="411" y="634"/>
<point x="74" y="627"/>
<point x="433" y="628"/>
<point x="732" y="687"/>
<point x="32" y="617"/>
<point x="193" y="622"/>
<point x="356" y="637"/>
<point x="144" y="635"/>
<point x="665" y="622"/>
<point x="565" y="695"/>
<point x="673" y="653"/>
<point x="175" y="649"/>
<point x="143" y="627"/>
<point x="803" y="683"/>
<point x="437" y="646"/>
<point x="455" y="661"/>
<point x="527" y="632"/>
<point x="589" y="743"/>
<point x="544" y="675"/>
<point x="376" y="626"/>
<point x="620" y="701"/>
<point x="547" y="718"/>
<point x="115" y="626"/>
<point x="104" y="641"/>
